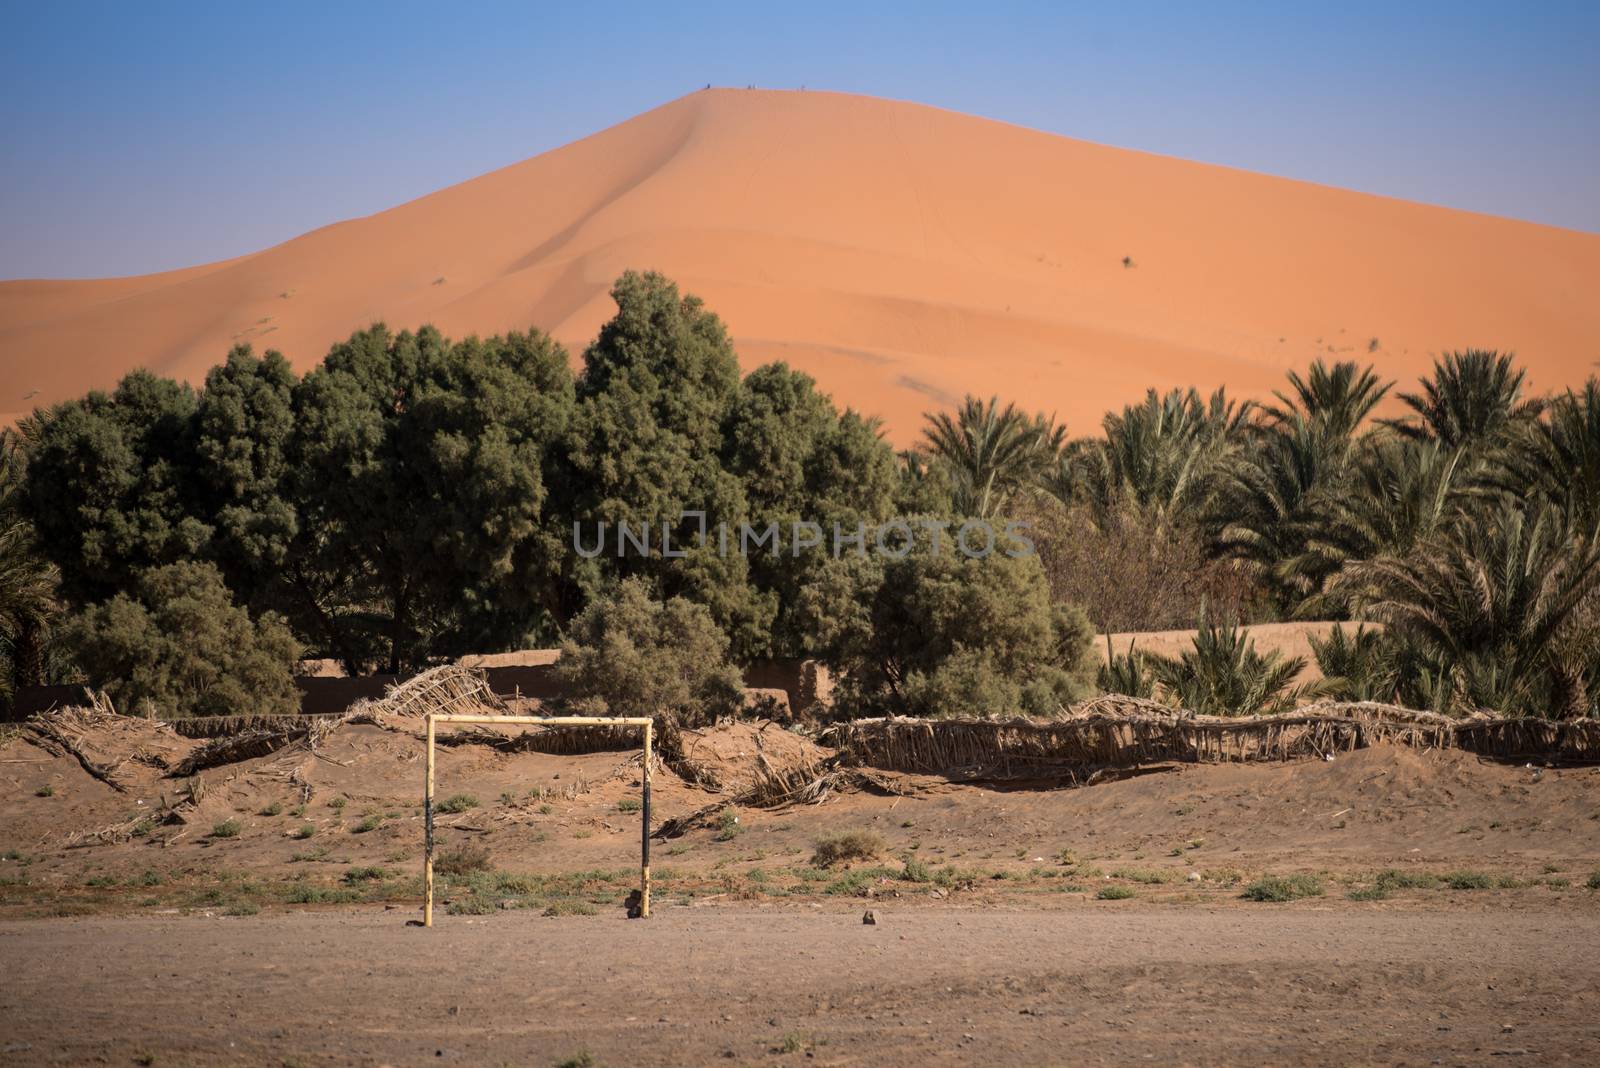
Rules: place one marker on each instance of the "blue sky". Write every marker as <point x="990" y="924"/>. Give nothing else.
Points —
<point x="140" y="137"/>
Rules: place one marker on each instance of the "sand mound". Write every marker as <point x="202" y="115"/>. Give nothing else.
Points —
<point x="900" y="254"/>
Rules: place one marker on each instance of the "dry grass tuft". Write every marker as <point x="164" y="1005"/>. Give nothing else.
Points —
<point x="845" y="846"/>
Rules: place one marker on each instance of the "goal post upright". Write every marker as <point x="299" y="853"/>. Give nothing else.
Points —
<point x="644" y="722"/>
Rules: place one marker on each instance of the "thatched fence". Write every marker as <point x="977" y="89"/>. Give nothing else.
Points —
<point x="1119" y="733"/>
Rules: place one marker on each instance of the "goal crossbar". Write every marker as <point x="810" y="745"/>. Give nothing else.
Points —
<point x="645" y="723"/>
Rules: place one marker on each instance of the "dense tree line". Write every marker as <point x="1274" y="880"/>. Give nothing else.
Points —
<point x="1469" y="527"/>
<point x="414" y="498"/>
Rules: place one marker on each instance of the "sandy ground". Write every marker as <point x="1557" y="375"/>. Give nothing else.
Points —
<point x="285" y="941"/>
<point x="901" y="254"/>
<point x="1111" y="984"/>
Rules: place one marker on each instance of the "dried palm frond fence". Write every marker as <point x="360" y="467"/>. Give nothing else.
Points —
<point x="227" y="726"/>
<point x="446" y="690"/>
<point x="1121" y="733"/>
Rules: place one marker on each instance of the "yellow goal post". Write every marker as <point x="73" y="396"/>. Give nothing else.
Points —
<point x="645" y="723"/>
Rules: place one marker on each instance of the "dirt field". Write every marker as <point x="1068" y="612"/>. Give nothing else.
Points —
<point x="1115" y="983"/>
<point x="256" y="912"/>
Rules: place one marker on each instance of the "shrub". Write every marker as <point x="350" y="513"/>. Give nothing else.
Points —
<point x="226" y="829"/>
<point x="1594" y="881"/>
<point x="1224" y="675"/>
<point x="366" y="874"/>
<point x="272" y="809"/>
<point x="462" y="860"/>
<point x="845" y="846"/>
<point x="629" y="804"/>
<point x="183" y="648"/>
<point x="942" y="634"/>
<point x="631" y="655"/>
<point x="916" y="871"/>
<point x="1469" y="880"/>
<point x="455" y="803"/>
<point x="305" y="831"/>
<point x="1394" y="879"/>
<point x="1283" y="888"/>
<point x="368" y="823"/>
<point x="1114" y="893"/>
<point x="45" y="791"/>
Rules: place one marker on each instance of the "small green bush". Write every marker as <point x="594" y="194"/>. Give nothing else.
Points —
<point x="629" y="804"/>
<point x="226" y="829"/>
<point x="305" y="832"/>
<point x="368" y="823"/>
<point x="1114" y="893"/>
<point x="1283" y="888"/>
<point x="845" y="846"/>
<point x="455" y="803"/>
<point x="469" y="906"/>
<point x="181" y="647"/>
<point x="1594" y="881"/>
<point x="45" y="791"/>
<point x="916" y="871"/>
<point x="272" y="809"/>
<point x="1394" y="879"/>
<point x="1469" y="880"/>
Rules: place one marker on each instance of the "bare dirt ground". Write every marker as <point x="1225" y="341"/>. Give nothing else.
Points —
<point x="1116" y="983"/>
<point x="256" y="912"/>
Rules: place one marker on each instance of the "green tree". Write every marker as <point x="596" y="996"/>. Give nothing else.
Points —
<point x="628" y="654"/>
<point x="799" y="460"/>
<point x="1160" y="458"/>
<point x="1494" y="611"/>
<point x="183" y="648"/>
<point x="1471" y="398"/>
<point x="991" y="452"/>
<point x="419" y="468"/>
<point x="1399" y="492"/>
<point x="244" y="425"/>
<point x="28" y="601"/>
<point x="1336" y="399"/>
<point x="1558" y="458"/>
<point x="939" y="633"/>
<point x="647" y="446"/>
<point x="110" y="487"/>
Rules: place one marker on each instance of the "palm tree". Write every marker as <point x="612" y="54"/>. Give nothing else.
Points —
<point x="1472" y="396"/>
<point x="1494" y="606"/>
<point x="1224" y="675"/>
<point x="1158" y="459"/>
<point x="1559" y="457"/>
<point x="27" y="581"/>
<point x="991" y="451"/>
<point x="1127" y="674"/>
<point x="1337" y="399"/>
<point x="1270" y="498"/>
<point x="1398" y="492"/>
<point x="1355" y="666"/>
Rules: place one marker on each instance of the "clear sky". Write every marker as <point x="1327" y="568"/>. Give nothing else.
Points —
<point x="145" y="136"/>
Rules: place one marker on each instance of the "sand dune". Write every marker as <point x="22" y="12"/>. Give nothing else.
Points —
<point x="901" y="254"/>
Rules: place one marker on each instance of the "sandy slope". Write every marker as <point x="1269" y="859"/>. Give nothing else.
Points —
<point x="901" y="254"/>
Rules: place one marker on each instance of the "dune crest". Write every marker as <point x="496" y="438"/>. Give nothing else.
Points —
<point x="901" y="254"/>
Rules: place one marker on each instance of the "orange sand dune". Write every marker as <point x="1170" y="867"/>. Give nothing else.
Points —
<point x="901" y="254"/>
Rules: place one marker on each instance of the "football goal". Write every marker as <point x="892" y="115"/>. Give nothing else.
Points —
<point x="642" y="722"/>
